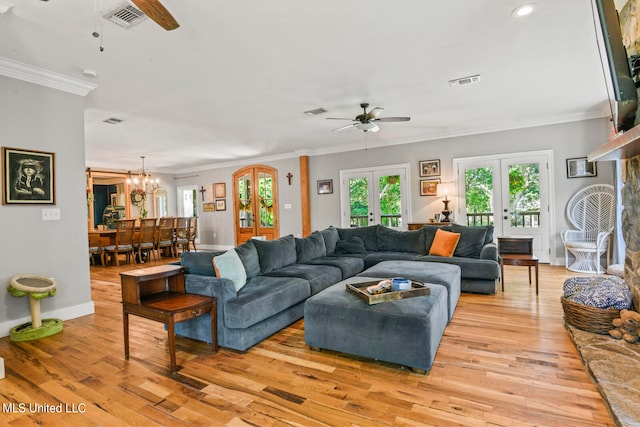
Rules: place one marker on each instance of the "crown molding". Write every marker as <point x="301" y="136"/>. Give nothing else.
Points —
<point x="5" y="6"/>
<point x="40" y="76"/>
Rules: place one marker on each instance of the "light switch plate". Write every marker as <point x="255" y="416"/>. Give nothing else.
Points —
<point x="51" y="214"/>
<point x="1" y="368"/>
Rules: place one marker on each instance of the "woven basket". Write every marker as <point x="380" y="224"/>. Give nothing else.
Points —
<point x="587" y="318"/>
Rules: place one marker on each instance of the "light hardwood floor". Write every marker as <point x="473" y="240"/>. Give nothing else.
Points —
<point x="504" y="360"/>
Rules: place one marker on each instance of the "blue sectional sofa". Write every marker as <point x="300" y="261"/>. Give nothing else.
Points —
<point x="281" y="274"/>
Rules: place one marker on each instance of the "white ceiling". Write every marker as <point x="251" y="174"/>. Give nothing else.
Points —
<point x="233" y="81"/>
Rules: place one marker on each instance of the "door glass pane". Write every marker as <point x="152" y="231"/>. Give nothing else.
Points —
<point x="524" y="195"/>
<point x="359" y="202"/>
<point x="265" y="195"/>
<point x="390" y="201"/>
<point x="478" y="184"/>
<point x="244" y="199"/>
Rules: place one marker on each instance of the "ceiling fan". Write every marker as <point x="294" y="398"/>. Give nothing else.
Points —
<point x="158" y="13"/>
<point x="366" y="121"/>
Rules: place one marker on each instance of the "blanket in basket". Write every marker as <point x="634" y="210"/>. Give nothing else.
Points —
<point x="598" y="291"/>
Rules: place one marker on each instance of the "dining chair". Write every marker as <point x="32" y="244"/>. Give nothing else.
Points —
<point x="95" y="248"/>
<point x="146" y="241"/>
<point x="166" y="236"/>
<point x="182" y="233"/>
<point x="193" y="231"/>
<point x="125" y="229"/>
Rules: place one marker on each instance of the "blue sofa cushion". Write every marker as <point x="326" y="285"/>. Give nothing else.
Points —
<point x="200" y="263"/>
<point x="350" y="266"/>
<point x="263" y="297"/>
<point x="319" y="276"/>
<point x="369" y="235"/>
<point x="401" y="241"/>
<point x="276" y="254"/>
<point x="471" y="268"/>
<point x="331" y="237"/>
<point x="310" y="247"/>
<point x="351" y="246"/>
<point x="249" y="257"/>
<point x="471" y="240"/>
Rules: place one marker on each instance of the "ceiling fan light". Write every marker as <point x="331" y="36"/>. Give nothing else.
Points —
<point x="368" y="127"/>
<point x="523" y="10"/>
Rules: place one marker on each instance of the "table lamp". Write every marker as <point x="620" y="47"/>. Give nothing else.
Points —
<point x="444" y="189"/>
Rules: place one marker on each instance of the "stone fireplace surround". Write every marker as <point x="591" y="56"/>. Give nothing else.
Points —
<point x="614" y="365"/>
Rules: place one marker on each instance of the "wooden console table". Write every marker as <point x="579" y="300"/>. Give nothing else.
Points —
<point x="517" y="251"/>
<point x="158" y="293"/>
<point x="418" y="225"/>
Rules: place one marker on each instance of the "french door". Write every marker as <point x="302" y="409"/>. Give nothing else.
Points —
<point x="255" y="198"/>
<point x="374" y="196"/>
<point x="509" y="191"/>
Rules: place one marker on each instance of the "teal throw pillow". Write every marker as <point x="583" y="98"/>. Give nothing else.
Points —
<point x="229" y="266"/>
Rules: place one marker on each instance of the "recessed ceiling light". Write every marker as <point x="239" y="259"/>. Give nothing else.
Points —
<point x="113" y="120"/>
<point x="89" y="73"/>
<point x="523" y="10"/>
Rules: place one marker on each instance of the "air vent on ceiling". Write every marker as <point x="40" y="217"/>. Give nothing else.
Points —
<point x="112" y="121"/>
<point x="125" y="15"/>
<point x="465" y="80"/>
<point x="315" y="112"/>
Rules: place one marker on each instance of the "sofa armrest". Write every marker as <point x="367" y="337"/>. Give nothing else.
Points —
<point x="218" y="287"/>
<point x="489" y="251"/>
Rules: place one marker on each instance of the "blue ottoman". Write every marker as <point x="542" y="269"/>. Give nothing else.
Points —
<point x="406" y="332"/>
<point x="447" y="275"/>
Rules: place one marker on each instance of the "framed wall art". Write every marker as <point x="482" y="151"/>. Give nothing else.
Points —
<point x="579" y="167"/>
<point x="28" y="177"/>
<point x="221" y="205"/>
<point x="429" y="187"/>
<point x="220" y="190"/>
<point x="325" y="186"/>
<point x="430" y="168"/>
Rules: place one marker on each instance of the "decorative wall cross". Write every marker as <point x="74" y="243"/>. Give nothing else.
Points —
<point x="289" y="176"/>
<point x="202" y="190"/>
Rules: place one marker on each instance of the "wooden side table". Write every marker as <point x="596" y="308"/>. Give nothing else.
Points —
<point x="158" y="293"/>
<point x="517" y="251"/>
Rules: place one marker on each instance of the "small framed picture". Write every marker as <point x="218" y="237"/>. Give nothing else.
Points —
<point x="209" y="207"/>
<point x="28" y="177"/>
<point x="113" y="197"/>
<point x="325" y="186"/>
<point x="430" y="168"/>
<point x="579" y="167"/>
<point x="429" y="187"/>
<point x="221" y="205"/>
<point x="220" y="190"/>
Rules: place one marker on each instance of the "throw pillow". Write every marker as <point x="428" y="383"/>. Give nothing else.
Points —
<point x="444" y="243"/>
<point x="229" y="266"/>
<point x="331" y="237"/>
<point x="352" y="245"/>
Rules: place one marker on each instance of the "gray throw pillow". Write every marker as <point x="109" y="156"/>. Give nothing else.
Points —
<point x="351" y="246"/>
<point x="369" y="235"/>
<point x="275" y="254"/>
<point x="401" y="241"/>
<point x="200" y="263"/>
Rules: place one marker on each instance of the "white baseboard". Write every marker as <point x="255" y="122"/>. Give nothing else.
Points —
<point x="65" y="313"/>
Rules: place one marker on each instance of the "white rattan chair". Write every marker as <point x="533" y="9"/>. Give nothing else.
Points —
<point x="592" y="212"/>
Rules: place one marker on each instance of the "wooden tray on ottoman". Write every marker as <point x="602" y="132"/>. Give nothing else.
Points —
<point x="360" y="290"/>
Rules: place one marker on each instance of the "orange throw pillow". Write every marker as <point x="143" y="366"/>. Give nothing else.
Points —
<point x="444" y="243"/>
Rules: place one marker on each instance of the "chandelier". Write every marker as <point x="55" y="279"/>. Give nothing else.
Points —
<point x="143" y="180"/>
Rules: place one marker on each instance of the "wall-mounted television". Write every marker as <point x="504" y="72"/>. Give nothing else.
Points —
<point x="625" y="98"/>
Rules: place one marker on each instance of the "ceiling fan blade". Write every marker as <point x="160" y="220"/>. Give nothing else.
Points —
<point x="392" y="119"/>
<point x="337" y="118"/>
<point x="375" y="112"/>
<point x="345" y="127"/>
<point x="158" y="13"/>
